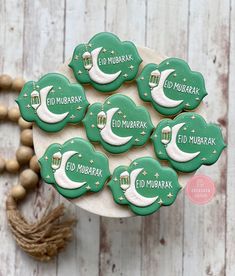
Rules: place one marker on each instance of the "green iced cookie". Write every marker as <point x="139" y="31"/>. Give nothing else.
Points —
<point x="188" y="142"/>
<point x="118" y="124"/>
<point x="52" y="102"/>
<point x="171" y="86"/>
<point x="145" y="186"/>
<point x="105" y="62"/>
<point x="74" y="168"/>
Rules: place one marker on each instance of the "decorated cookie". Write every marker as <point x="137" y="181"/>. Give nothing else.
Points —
<point x="74" y="168"/>
<point x="188" y="142"/>
<point x="105" y="62"/>
<point x="145" y="185"/>
<point x="171" y="86"/>
<point x="52" y="102"/>
<point x="118" y="124"/>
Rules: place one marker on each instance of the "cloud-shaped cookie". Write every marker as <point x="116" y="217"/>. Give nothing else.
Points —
<point x="52" y="102"/>
<point x="188" y="142"/>
<point x="118" y="124"/>
<point x="171" y="86"/>
<point x="145" y="186"/>
<point x="105" y="62"/>
<point x="74" y="168"/>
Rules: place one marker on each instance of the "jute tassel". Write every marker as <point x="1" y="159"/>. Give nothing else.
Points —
<point x="43" y="239"/>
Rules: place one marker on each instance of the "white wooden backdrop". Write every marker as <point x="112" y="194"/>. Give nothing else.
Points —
<point x="184" y="239"/>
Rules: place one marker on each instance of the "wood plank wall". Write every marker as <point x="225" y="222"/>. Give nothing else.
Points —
<point x="184" y="239"/>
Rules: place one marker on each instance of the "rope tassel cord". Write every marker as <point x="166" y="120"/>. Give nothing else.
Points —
<point x="44" y="238"/>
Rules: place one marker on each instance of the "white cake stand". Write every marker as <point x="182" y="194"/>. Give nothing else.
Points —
<point x="102" y="203"/>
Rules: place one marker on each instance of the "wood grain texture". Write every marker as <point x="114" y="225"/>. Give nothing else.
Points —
<point x="43" y="48"/>
<point x="84" y="261"/>
<point x="230" y="201"/>
<point x="11" y="29"/>
<point x="208" y="51"/>
<point x="184" y="239"/>
<point x="120" y="251"/>
<point x="162" y="233"/>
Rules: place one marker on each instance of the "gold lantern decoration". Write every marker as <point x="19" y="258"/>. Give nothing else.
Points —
<point x="87" y="60"/>
<point x="166" y="135"/>
<point x="125" y="180"/>
<point x="101" y="119"/>
<point x="35" y="99"/>
<point x="56" y="160"/>
<point x="154" y="78"/>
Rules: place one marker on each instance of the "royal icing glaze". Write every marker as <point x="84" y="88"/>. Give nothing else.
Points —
<point x="188" y="142"/>
<point x="52" y="102"/>
<point x="171" y="86"/>
<point x="105" y="62"/>
<point x="74" y="168"/>
<point x="145" y="185"/>
<point x="118" y="124"/>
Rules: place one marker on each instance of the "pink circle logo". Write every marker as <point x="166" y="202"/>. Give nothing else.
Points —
<point x="200" y="189"/>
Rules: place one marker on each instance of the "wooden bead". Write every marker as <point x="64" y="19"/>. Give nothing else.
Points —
<point x="2" y="164"/>
<point x="12" y="166"/>
<point x="28" y="179"/>
<point x="18" y="192"/>
<point x="24" y="124"/>
<point x="18" y="84"/>
<point x="24" y="154"/>
<point x="26" y="137"/>
<point x="5" y="81"/>
<point x="3" y="111"/>
<point x="14" y="114"/>
<point x="34" y="165"/>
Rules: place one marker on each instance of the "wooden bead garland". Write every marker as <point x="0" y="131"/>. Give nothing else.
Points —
<point x="18" y="192"/>
<point x="18" y="84"/>
<point x="45" y="238"/>
<point x="2" y="164"/>
<point x="24" y="152"/>
<point x="26" y="137"/>
<point x="28" y="179"/>
<point x="5" y="81"/>
<point x="3" y="112"/>
<point x="33" y="164"/>
<point x="12" y="166"/>
<point x="14" y="114"/>
<point x="24" y="124"/>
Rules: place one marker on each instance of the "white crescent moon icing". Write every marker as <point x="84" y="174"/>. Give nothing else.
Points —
<point x="44" y="113"/>
<point x="174" y="152"/>
<point x="133" y="196"/>
<point x="158" y="94"/>
<point x="107" y="134"/>
<point x="96" y="74"/>
<point x="60" y="175"/>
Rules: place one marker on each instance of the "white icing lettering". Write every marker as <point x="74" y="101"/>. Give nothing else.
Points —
<point x="154" y="184"/>
<point x="64" y="100"/>
<point x="182" y="88"/>
<point x="70" y="166"/>
<point x="196" y="140"/>
<point x="128" y="124"/>
<point x="118" y="59"/>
